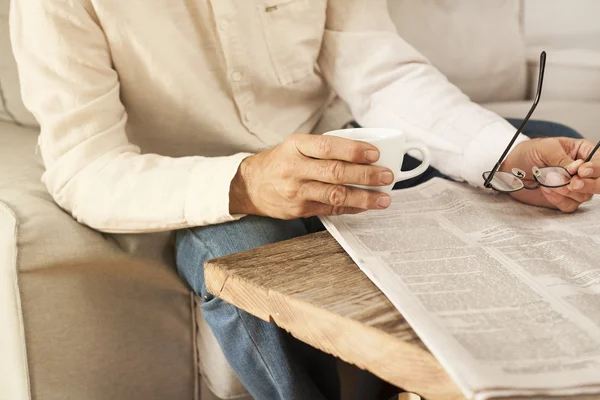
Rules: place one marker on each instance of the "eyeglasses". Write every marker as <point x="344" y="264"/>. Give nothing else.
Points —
<point x="550" y="177"/>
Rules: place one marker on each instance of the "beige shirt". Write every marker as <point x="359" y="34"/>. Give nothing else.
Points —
<point x="147" y="107"/>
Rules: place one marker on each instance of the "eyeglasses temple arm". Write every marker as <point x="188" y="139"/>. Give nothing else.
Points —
<point x="538" y="94"/>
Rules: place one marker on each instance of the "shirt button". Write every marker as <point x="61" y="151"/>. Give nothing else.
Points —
<point x="248" y="116"/>
<point x="224" y="25"/>
<point x="236" y="76"/>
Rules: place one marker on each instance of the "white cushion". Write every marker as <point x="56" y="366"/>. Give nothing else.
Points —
<point x="13" y="363"/>
<point x="584" y="117"/>
<point x="11" y="105"/>
<point x="478" y="45"/>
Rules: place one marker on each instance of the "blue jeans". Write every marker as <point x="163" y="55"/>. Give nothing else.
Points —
<point x="271" y="364"/>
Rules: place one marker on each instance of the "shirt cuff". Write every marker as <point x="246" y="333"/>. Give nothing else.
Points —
<point x="486" y="148"/>
<point x="207" y="201"/>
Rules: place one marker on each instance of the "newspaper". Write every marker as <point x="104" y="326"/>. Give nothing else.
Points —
<point x="506" y="296"/>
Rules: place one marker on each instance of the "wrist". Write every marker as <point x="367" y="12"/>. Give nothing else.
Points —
<point x="239" y="190"/>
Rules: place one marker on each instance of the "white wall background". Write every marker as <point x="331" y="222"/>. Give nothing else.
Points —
<point x="563" y="22"/>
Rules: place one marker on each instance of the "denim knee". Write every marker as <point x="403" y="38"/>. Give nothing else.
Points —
<point x="195" y="246"/>
<point x="540" y="129"/>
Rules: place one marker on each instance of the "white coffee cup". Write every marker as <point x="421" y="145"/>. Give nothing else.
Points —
<point x="392" y="148"/>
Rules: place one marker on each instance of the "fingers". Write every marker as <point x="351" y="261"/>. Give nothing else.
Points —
<point x="341" y="172"/>
<point x="559" y="201"/>
<point x="557" y="152"/>
<point x="585" y="149"/>
<point x="585" y="186"/>
<point x="341" y="161"/>
<point x="580" y="197"/>
<point x="587" y="179"/>
<point x="335" y="148"/>
<point x="343" y="196"/>
<point x="322" y="210"/>
<point x="589" y="170"/>
<point x="574" y="166"/>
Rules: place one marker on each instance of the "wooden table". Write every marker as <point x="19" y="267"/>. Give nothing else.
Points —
<point x="310" y="287"/>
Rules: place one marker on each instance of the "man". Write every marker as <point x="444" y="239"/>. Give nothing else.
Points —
<point x="154" y="114"/>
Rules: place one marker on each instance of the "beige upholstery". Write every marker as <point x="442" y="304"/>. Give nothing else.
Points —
<point x="478" y="45"/>
<point x="571" y="73"/>
<point x="150" y="347"/>
<point x="97" y="324"/>
<point x="11" y="105"/>
<point x="218" y="376"/>
<point x="14" y="376"/>
<point x="79" y="319"/>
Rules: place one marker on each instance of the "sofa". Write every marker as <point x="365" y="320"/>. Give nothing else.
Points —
<point x="87" y="315"/>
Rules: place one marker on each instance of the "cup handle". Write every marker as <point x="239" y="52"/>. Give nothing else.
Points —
<point x="404" y="175"/>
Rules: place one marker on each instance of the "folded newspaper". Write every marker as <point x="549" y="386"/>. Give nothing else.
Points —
<point x="505" y="296"/>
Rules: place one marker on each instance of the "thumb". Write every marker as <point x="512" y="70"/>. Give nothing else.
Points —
<point x="558" y="157"/>
<point x="562" y="160"/>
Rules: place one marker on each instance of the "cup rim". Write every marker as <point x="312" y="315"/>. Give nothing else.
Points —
<point x="377" y="133"/>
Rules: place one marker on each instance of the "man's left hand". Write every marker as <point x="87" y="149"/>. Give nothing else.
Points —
<point x="556" y="152"/>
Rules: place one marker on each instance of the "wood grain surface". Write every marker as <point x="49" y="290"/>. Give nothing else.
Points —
<point x="310" y="287"/>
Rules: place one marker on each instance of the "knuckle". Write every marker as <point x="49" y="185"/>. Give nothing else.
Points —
<point x="290" y="191"/>
<point x="337" y="196"/>
<point x="337" y="210"/>
<point x="336" y="170"/>
<point x="298" y="210"/>
<point x="325" y="146"/>
<point x="370" y="176"/>
<point x="294" y="141"/>
<point x="292" y="168"/>
<point x="354" y="152"/>
<point x="368" y="199"/>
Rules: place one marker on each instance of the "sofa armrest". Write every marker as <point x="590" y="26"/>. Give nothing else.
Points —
<point x="47" y="234"/>
<point x="572" y="74"/>
<point x="97" y="323"/>
<point x="14" y="379"/>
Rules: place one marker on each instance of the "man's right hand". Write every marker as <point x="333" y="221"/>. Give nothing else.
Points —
<point x="305" y="176"/>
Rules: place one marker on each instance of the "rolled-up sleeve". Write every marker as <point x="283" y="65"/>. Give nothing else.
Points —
<point x="387" y="83"/>
<point x="92" y="170"/>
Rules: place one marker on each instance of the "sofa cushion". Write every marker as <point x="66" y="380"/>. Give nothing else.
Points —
<point x="46" y="233"/>
<point x="478" y="45"/>
<point x="86" y="307"/>
<point x="11" y="105"/>
<point x="225" y="384"/>
<point x="57" y="251"/>
<point x="572" y="73"/>
<point x="108" y="328"/>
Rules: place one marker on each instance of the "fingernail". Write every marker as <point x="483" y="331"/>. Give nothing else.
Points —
<point x="386" y="178"/>
<point x="585" y="172"/>
<point x="546" y="190"/>
<point x="372" y="155"/>
<point x="577" y="185"/>
<point x="384" y="201"/>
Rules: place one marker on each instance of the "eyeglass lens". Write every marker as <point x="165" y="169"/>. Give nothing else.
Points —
<point x="552" y="177"/>
<point x="504" y="181"/>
